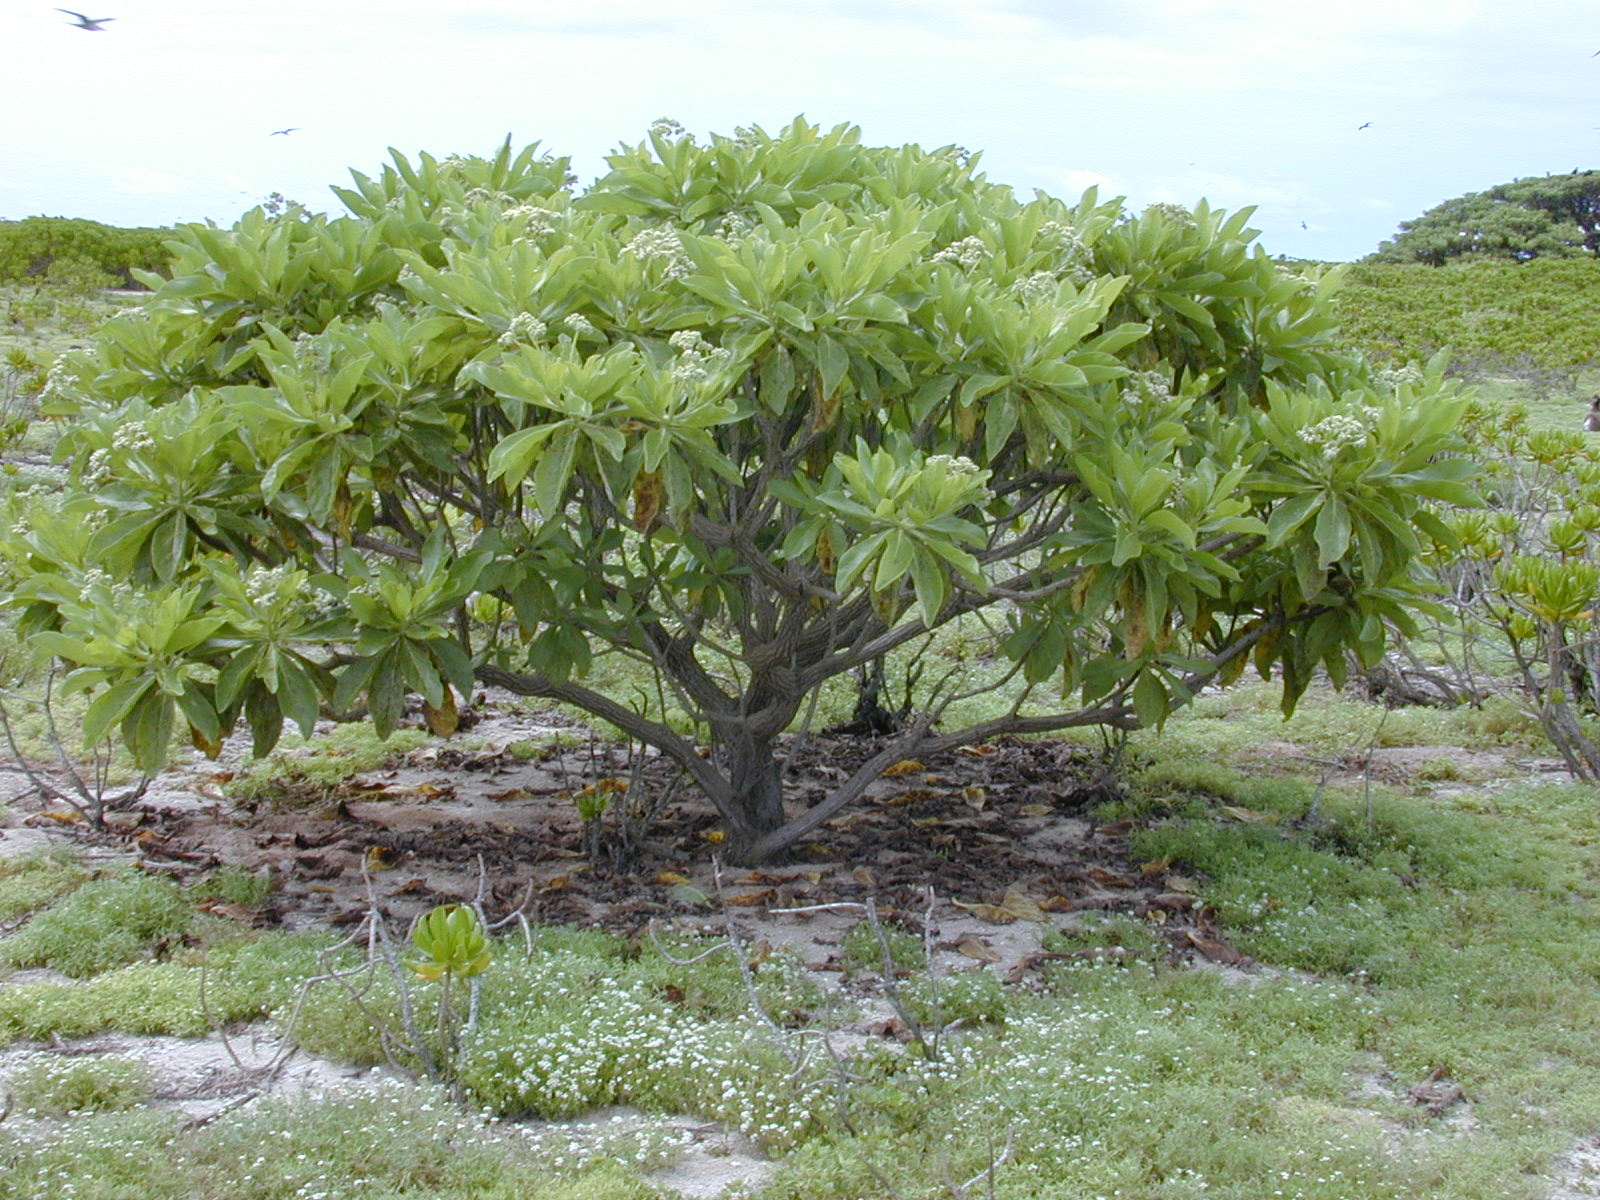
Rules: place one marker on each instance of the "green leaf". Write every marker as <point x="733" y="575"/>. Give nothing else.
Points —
<point x="1150" y="700"/>
<point x="147" y="730"/>
<point x="111" y="706"/>
<point x="1333" y="531"/>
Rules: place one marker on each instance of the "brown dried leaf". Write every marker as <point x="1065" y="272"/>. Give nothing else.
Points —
<point x="1180" y="883"/>
<point x="751" y="899"/>
<point x="1115" y="829"/>
<point x="1155" y="866"/>
<point x="1025" y="908"/>
<point x="979" y="751"/>
<point x="1058" y="904"/>
<point x="671" y="877"/>
<point x="1216" y="951"/>
<point x="991" y="913"/>
<point x="515" y="793"/>
<point x="976" y="797"/>
<point x="973" y="946"/>
<point x="1109" y="879"/>
<point x="556" y="883"/>
<point x="906" y="766"/>
<point x="1035" y="810"/>
<point x="863" y="876"/>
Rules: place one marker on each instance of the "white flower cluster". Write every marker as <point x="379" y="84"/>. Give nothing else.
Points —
<point x="1176" y="213"/>
<point x="1146" y="387"/>
<point x="61" y="375"/>
<point x="452" y="163"/>
<point x="580" y="325"/>
<point x="524" y="327"/>
<point x="1041" y="285"/>
<point x="263" y="587"/>
<point x="1397" y="377"/>
<point x="734" y="228"/>
<point x="1334" y="433"/>
<point x="666" y="127"/>
<point x="955" y="464"/>
<point x="968" y="254"/>
<point x="97" y="470"/>
<point x="697" y="358"/>
<point x="744" y="137"/>
<point x="133" y="438"/>
<point x="661" y="242"/>
<point x="540" y="221"/>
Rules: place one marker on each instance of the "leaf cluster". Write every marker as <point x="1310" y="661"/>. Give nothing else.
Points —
<point x="1554" y="216"/>
<point x="44" y="247"/>
<point x="752" y="412"/>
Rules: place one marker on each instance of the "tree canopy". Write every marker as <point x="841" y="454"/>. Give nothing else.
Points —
<point x="1551" y="216"/>
<point x="752" y="413"/>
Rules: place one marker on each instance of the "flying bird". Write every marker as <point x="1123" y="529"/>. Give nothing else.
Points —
<point x="1362" y="126"/>
<point x="283" y="132"/>
<point x="87" y="24"/>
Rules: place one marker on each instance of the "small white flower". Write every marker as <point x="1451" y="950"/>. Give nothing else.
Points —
<point x="524" y="327"/>
<point x="1333" y="433"/>
<point x="666" y="127"/>
<point x="968" y="254"/>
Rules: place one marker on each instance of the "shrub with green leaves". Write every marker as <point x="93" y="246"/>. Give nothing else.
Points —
<point x="753" y="412"/>
<point x="54" y="246"/>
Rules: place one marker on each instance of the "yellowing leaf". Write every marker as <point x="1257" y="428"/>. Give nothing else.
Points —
<point x="1024" y="908"/>
<point x="972" y="946"/>
<point x="1035" y="810"/>
<point x="906" y="766"/>
<point x="671" y="877"/>
<point x="444" y="720"/>
<point x="991" y="913"/>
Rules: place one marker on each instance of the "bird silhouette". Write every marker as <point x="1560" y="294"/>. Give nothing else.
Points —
<point x="87" y="24"/>
<point x="1302" y="225"/>
<point x="1360" y="127"/>
<point x="283" y="132"/>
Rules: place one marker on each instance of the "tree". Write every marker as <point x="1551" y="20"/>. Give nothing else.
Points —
<point x="1553" y="216"/>
<point x="752" y="413"/>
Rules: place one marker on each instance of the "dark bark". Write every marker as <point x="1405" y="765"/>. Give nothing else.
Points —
<point x="755" y="802"/>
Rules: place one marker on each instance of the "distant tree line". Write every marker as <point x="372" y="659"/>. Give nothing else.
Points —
<point x="1550" y="216"/>
<point x="43" y="247"/>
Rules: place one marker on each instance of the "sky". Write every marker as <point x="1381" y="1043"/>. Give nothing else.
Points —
<point x="1337" y="119"/>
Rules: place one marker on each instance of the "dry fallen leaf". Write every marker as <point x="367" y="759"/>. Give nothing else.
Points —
<point x="1024" y="908"/>
<point x="556" y="883"/>
<point x="992" y="913"/>
<point x="515" y="793"/>
<point x="1216" y="951"/>
<point x="750" y="899"/>
<point x="1155" y="866"/>
<point x="671" y="877"/>
<point x="980" y="751"/>
<point x="863" y="876"/>
<point x="906" y="766"/>
<point x="975" y="797"/>
<point x="714" y="836"/>
<point x="380" y="858"/>
<point x="897" y="799"/>
<point x="687" y="893"/>
<point x="1180" y="883"/>
<point x="1035" y="810"/>
<point x="1109" y="879"/>
<point x="1058" y="904"/>
<point x="973" y="947"/>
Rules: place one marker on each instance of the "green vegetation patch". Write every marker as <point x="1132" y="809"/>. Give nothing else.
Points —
<point x="103" y="924"/>
<point x="1493" y="313"/>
